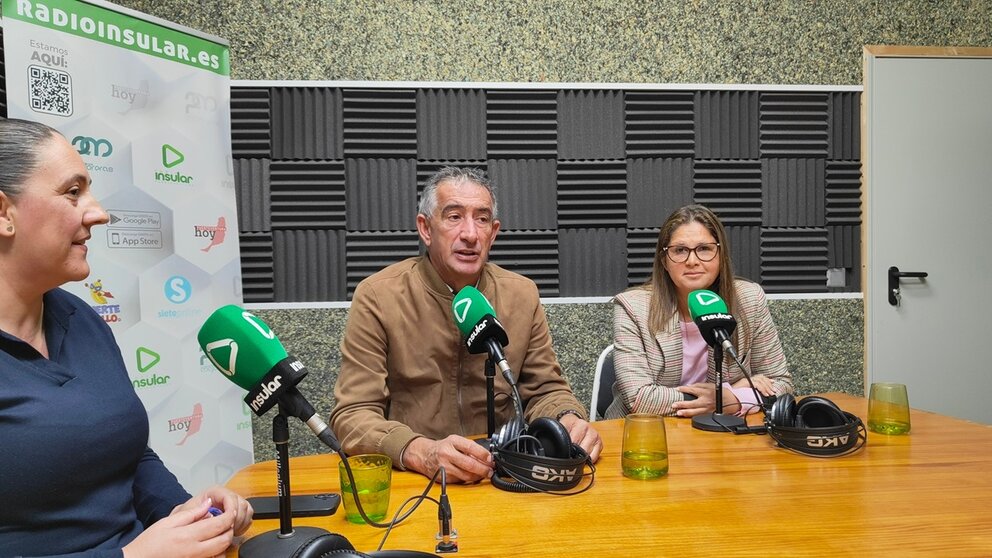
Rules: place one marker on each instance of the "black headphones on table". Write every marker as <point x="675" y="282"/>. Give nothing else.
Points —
<point x="539" y="457"/>
<point x="814" y="426"/>
<point x="333" y="545"/>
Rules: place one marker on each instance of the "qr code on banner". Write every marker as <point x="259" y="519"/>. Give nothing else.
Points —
<point x="49" y="91"/>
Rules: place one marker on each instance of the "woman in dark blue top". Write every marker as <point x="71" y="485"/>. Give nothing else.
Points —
<point x="77" y="477"/>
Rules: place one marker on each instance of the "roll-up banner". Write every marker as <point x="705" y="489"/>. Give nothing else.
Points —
<point x="147" y="105"/>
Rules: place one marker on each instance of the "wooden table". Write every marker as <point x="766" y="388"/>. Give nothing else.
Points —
<point x="926" y="494"/>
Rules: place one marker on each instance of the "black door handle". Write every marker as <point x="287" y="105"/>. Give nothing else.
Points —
<point x="894" y="276"/>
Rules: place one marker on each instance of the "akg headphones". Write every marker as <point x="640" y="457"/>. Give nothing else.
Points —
<point x="814" y="426"/>
<point x="333" y="545"/>
<point x="539" y="457"/>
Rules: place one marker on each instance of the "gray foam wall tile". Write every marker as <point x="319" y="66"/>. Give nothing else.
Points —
<point x="592" y="193"/>
<point x="793" y="192"/>
<point x="525" y="191"/>
<point x="306" y="123"/>
<point x="307" y="194"/>
<point x="251" y="179"/>
<point x="641" y="246"/>
<point x="592" y="262"/>
<point x="793" y="124"/>
<point x="251" y="122"/>
<point x="533" y="254"/>
<point x="841" y="240"/>
<point x="660" y="123"/>
<point x="309" y="265"/>
<point x="727" y="124"/>
<point x="732" y="189"/>
<point x="590" y="124"/>
<point x="745" y="251"/>
<point x="521" y="124"/>
<point x="794" y="260"/>
<point x="844" y="251"/>
<point x="843" y="192"/>
<point x="451" y="124"/>
<point x="655" y="188"/>
<point x="382" y="194"/>
<point x="844" y="125"/>
<point x="257" y="281"/>
<point x="380" y="123"/>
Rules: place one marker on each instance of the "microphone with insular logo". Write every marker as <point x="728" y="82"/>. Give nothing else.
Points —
<point x="476" y="320"/>
<point x="243" y="348"/>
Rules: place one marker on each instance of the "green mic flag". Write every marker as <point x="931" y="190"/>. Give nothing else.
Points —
<point x="240" y="345"/>
<point x="476" y="320"/>
<point x="470" y="307"/>
<point x="704" y="302"/>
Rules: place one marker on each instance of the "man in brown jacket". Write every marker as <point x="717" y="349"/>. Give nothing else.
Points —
<point x="408" y="388"/>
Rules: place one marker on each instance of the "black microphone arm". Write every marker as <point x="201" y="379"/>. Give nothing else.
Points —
<point x="723" y="339"/>
<point x="295" y="404"/>
<point x="496" y="354"/>
<point x="764" y="402"/>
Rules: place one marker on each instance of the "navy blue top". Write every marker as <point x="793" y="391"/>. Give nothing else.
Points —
<point x="77" y="477"/>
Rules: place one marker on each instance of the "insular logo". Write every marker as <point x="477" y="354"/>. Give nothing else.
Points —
<point x="171" y="158"/>
<point x="110" y="312"/>
<point x="145" y="359"/>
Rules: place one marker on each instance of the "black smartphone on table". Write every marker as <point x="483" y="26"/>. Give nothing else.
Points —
<point x="304" y="505"/>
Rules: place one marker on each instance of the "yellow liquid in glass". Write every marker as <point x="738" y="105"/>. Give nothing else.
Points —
<point x="644" y="464"/>
<point x="890" y="427"/>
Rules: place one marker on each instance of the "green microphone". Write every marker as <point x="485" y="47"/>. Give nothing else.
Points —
<point x="476" y="320"/>
<point x="246" y="350"/>
<point x="714" y="321"/>
<point x="240" y="345"/>
<point x="710" y="314"/>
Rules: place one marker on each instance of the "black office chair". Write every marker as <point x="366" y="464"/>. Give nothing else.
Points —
<point x="602" y="384"/>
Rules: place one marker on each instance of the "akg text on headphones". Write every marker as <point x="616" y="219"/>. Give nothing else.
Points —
<point x="539" y="457"/>
<point x="814" y="426"/>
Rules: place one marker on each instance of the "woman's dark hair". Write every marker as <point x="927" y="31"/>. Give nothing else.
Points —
<point x="19" y="143"/>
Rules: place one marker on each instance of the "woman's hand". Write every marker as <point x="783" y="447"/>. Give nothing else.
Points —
<point x="762" y="383"/>
<point x="228" y="502"/>
<point x="190" y="531"/>
<point x="705" y="401"/>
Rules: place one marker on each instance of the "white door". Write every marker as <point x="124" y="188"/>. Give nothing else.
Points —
<point x="927" y="136"/>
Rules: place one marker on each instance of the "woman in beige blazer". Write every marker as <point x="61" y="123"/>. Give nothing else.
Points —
<point x="662" y="364"/>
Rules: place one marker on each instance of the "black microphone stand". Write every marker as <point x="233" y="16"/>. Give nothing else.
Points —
<point x="717" y="421"/>
<point x="490" y="397"/>
<point x="286" y="541"/>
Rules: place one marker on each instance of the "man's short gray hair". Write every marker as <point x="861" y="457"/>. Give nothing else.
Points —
<point x="428" y="199"/>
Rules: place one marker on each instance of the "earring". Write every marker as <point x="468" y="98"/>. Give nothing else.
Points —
<point x="10" y="228"/>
